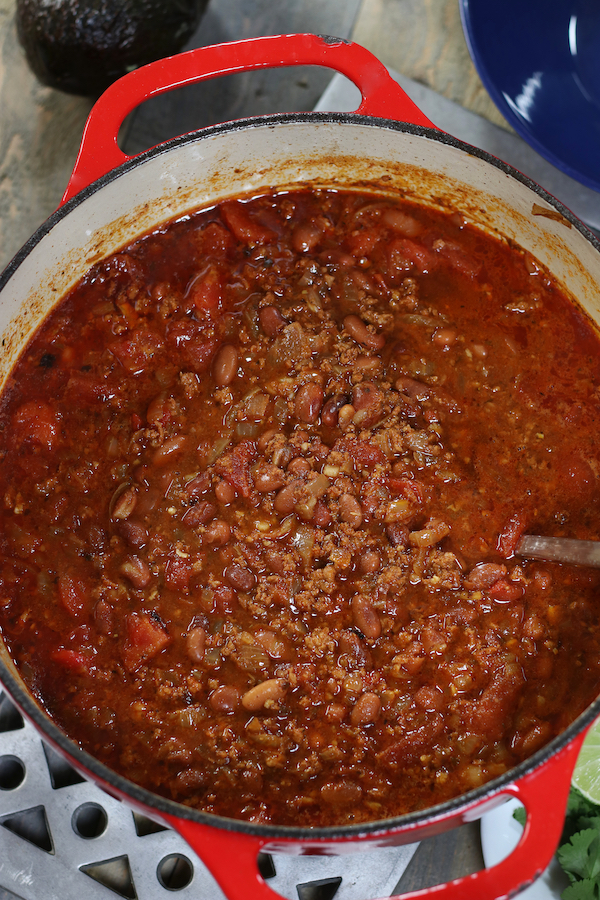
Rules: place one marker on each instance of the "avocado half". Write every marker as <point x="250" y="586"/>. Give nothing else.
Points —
<point x="82" y="46"/>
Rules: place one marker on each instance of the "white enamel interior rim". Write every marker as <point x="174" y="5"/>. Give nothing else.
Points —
<point x="341" y="151"/>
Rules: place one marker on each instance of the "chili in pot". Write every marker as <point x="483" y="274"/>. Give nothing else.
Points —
<point x="263" y="471"/>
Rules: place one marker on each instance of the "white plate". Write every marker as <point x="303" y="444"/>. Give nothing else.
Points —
<point x="500" y="833"/>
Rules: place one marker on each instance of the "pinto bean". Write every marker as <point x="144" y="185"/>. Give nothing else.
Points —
<point x="366" y="365"/>
<point x="224" y="492"/>
<point x="168" y="449"/>
<point x="271" y="320"/>
<point x="353" y="653"/>
<point x="358" y="330"/>
<point x="299" y="466"/>
<point x="134" y="533"/>
<point x="366" y="395"/>
<point x="200" y="514"/>
<point x="136" y="570"/>
<point x="369" y="562"/>
<point x="287" y="497"/>
<point x="104" y="616"/>
<point x="198" y="485"/>
<point x="341" y="793"/>
<point x="346" y="415"/>
<point x="283" y="455"/>
<point x="429" y="697"/>
<point x="335" y="712"/>
<point x="308" y="402"/>
<point x="239" y="577"/>
<point x="160" y="411"/>
<point x="444" y="337"/>
<point x="195" y="643"/>
<point x="275" y="561"/>
<point x="434" y="642"/>
<point x="365" y="617"/>
<point x="123" y="502"/>
<point x="273" y="644"/>
<point x="483" y="575"/>
<point x="331" y="408"/>
<point x="350" y="510"/>
<point x="265" y="438"/>
<point x="267" y="477"/>
<point x="368" y="401"/>
<point x="306" y="237"/>
<point x="366" y="710"/>
<point x="266" y="692"/>
<point x="322" y="516"/>
<point x="225" y="698"/>
<point x="225" y="365"/>
<point x="217" y="532"/>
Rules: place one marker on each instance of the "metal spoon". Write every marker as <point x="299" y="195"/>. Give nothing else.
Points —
<point x="564" y="550"/>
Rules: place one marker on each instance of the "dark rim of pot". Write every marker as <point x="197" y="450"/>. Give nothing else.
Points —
<point x="154" y="802"/>
<point x="281" y="119"/>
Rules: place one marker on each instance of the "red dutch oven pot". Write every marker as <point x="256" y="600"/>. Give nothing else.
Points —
<point x="387" y="144"/>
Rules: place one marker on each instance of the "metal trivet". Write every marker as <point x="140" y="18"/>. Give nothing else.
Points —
<point x="63" y="838"/>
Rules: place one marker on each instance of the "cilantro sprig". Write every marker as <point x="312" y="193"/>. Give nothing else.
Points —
<point x="579" y="849"/>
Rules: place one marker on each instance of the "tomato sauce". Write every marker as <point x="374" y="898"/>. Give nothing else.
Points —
<point x="263" y="476"/>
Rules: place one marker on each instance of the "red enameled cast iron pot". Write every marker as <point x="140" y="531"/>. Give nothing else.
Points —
<point x="388" y="144"/>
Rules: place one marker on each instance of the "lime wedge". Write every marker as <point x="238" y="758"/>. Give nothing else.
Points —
<point x="586" y="776"/>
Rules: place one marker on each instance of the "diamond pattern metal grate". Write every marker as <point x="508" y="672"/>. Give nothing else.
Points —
<point x="63" y="838"/>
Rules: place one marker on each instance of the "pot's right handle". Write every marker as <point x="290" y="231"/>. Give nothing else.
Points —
<point x="544" y="793"/>
<point x="231" y="856"/>
<point x="99" y="152"/>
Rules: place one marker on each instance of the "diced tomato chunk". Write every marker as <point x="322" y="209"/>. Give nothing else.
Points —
<point x="404" y="255"/>
<point x="189" y="339"/>
<point x="215" y="240"/>
<point x="86" y="387"/>
<point x="71" y="659"/>
<point x="138" y="349"/>
<point x="73" y="593"/>
<point x="364" y="453"/>
<point x="510" y="535"/>
<point x="458" y="258"/>
<point x="145" y="638"/>
<point x="576" y="474"/>
<point x="362" y="242"/>
<point x="36" y="422"/>
<point x="178" y="573"/>
<point x="235" y="468"/>
<point x="206" y="292"/>
<point x="243" y="227"/>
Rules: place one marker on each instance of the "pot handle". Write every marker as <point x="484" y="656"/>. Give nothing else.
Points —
<point x="231" y="856"/>
<point x="99" y="152"/>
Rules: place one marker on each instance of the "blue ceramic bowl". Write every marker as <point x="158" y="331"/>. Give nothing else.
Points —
<point x="540" y="62"/>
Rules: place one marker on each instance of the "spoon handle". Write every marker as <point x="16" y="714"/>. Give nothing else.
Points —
<point x="565" y="550"/>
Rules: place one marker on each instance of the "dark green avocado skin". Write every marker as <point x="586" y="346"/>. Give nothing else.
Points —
<point x="82" y="46"/>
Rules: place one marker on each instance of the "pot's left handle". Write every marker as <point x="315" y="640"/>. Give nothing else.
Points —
<point x="99" y="152"/>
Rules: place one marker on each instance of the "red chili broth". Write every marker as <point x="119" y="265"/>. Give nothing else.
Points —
<point x="263" y="473"/>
